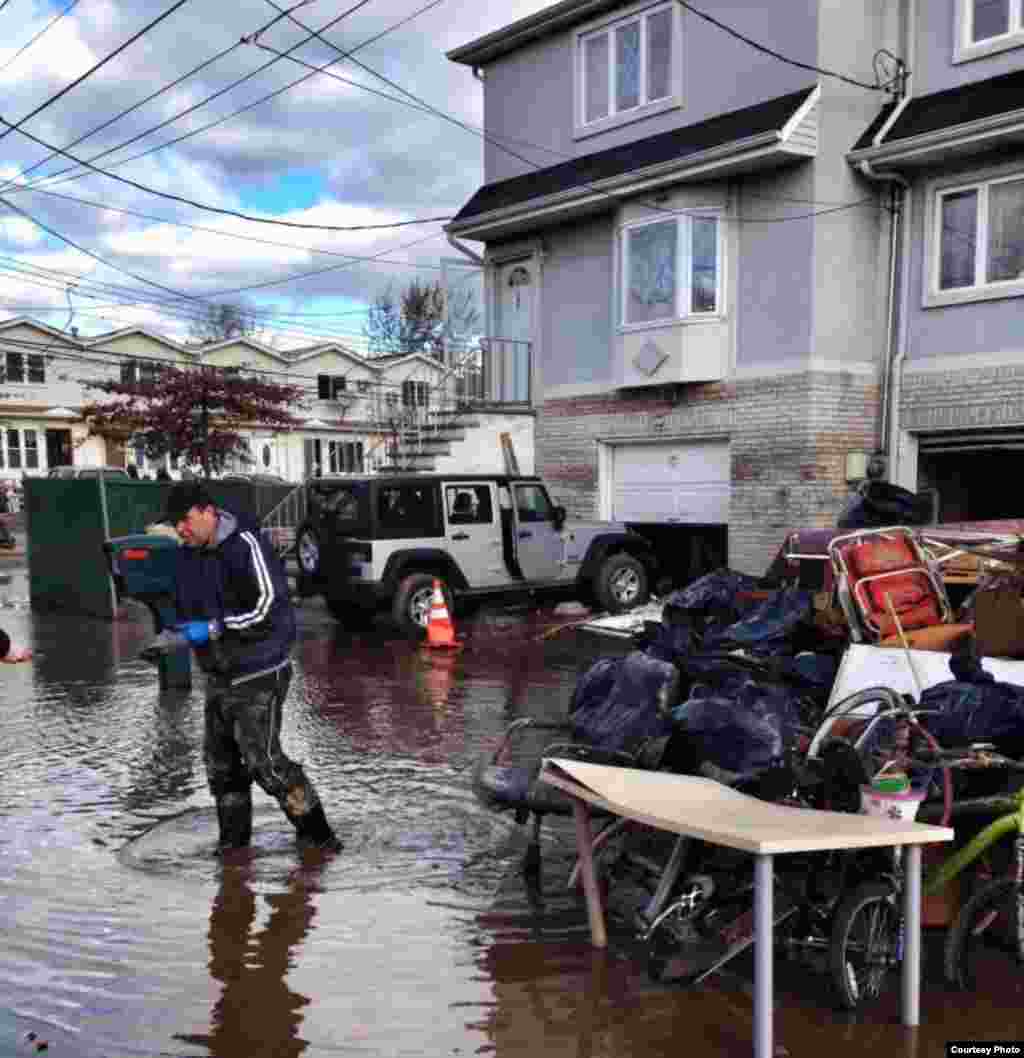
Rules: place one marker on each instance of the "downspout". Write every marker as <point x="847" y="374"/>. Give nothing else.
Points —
<point x="895" y="346"/>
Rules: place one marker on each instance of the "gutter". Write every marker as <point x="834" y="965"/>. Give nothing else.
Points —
<point x="464" y="249"/>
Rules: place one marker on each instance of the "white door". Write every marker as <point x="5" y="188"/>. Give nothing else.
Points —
<point x="514" y="330"/>
<point x="671" y="481"/>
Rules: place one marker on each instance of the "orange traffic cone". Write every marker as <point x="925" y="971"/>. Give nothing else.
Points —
<point x="440" y="631"/>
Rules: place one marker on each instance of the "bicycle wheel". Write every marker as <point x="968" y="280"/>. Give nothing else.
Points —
<point x="865" y="942"/>
<point x="983" y="934"/>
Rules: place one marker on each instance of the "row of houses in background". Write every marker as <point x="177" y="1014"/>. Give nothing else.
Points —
<point x="740" y="275"/>
<point x="360" y="414"/>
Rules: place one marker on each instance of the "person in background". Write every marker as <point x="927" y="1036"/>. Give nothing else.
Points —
<point x="163" y="474"/>
<point x="133" y="471"/>
<point x="235" y="610"/>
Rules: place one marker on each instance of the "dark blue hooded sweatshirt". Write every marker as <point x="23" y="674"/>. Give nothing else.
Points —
<point x="239" y="581"/>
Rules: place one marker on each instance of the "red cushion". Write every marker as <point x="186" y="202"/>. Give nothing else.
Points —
<point x="904" y="589"/>
<point x="921" y="616"/>
<point x="880" y="554"/>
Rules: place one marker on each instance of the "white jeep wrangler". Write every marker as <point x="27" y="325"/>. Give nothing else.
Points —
<point x="377" y="543"/>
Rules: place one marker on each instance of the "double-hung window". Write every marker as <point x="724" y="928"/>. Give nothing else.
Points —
<point x="979" y="233"/>
<point x="671" y="269"/>
<point x="626" y="66"/>
<point x="986" y="26"/>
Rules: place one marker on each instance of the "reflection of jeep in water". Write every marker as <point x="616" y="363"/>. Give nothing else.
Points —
<point x="376" y="543"/>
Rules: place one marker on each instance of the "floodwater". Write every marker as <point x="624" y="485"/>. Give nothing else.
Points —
<point x="122" y="934"/>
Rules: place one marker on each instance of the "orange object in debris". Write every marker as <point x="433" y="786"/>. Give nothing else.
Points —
<point x="440" y="630"/>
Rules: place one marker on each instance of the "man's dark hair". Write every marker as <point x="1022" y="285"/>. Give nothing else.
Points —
<point x="183" y="497"/>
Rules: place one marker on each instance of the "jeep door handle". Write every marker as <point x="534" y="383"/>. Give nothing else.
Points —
<point x="525" y="534"/>
<point x="461" y="536"/>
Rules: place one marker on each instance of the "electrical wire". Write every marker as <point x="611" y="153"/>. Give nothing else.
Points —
<point x="49" y="25"/>
<point x="70" y="173"/>
<point x="16" y="127"/>
<point x="757" y="46"/>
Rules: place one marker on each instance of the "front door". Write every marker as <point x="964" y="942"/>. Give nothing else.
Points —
<point x="515" y="299"/>
<point x="473" y="530"/>
<point x="539" y="545"/>
<point x="58" y="448"/>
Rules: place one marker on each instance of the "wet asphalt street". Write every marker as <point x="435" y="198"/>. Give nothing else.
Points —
<point x="122" y="934"/>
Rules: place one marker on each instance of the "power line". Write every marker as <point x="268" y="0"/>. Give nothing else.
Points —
<point x="93" y="69"/>
<point x="222" y="120"/>
<point x="217" y="209"/>
<point x="49" y="25"/>
<point x="757" y="46"/>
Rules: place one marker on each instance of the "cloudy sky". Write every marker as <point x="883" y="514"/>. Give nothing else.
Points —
<point x="320" y="152"/>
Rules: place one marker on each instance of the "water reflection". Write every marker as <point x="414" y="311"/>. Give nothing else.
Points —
<point x="257" y="1013"/>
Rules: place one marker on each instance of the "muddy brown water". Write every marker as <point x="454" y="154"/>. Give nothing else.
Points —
<point x="123" y="935"/>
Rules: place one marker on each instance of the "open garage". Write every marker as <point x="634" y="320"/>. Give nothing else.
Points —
<point x="973" y="474"/>
<point x="677" y="494"/>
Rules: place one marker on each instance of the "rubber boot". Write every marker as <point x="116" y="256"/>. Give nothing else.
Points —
<point x="312" y="829"/>
<point x="234" y="815"/>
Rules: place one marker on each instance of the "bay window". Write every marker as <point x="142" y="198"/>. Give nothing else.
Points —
<point x="980" y="236"/>
<point x="627" y="65"/>
<point x="671" y="269"/>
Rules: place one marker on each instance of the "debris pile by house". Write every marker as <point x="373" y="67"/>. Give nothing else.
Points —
<point x="757" y="661"/>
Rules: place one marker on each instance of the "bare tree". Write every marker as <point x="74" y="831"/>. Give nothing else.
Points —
<point x="224" y="320"/>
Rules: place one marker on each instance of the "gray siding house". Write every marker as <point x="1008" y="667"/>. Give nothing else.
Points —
<point x="954" y="147"/>
<point x="709" y="280"/>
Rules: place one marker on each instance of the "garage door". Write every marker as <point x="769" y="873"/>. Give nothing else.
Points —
<point x="671" y="482"/>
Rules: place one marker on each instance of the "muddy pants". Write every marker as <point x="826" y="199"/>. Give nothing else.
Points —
<point x="242" y="745"/>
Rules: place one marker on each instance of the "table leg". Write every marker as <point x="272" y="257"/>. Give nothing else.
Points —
<point x="585" y="850"/>
<point x="912" y="935"/>
<point x="764" y="951"/>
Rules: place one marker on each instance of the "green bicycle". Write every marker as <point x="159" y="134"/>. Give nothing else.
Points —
<point x="867" y="934"/>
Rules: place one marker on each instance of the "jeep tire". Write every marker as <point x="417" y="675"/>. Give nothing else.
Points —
<point x="620" y="583"/>
<point x="308" y="552"/>
<point x="410" y="608"/>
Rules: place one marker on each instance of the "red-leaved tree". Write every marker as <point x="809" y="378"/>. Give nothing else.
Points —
<point x="193" y="413"/>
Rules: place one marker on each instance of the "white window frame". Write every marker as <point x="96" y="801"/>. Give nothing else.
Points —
<point x="965" y="49"/>
<point x="581" y="127"/>
<point x="40" y="449"/>
<point x="684" y="312"/>
<point x="984" y="291"/>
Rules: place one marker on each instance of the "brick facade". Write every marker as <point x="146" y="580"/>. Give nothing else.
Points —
<point x="969" y="399"/>
<point x="789" y="436"/>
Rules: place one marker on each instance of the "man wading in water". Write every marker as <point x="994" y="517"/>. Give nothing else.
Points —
<point x="234" y="609"/>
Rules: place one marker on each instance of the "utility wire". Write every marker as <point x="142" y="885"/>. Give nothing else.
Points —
<point x="217" y="209"/>
<point x="74" y="175"/>
<point x="173" y="84"/>
<point x="757" y="46"/>
<point x="93" y="69"/>
<point x="49" y="25"/>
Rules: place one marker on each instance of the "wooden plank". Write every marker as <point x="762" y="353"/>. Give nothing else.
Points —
<point x="705" y="809"/>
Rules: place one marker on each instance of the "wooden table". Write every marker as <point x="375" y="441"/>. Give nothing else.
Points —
<point x="707" y="810"/>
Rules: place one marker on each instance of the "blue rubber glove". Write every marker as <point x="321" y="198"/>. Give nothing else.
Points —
<point x="199" y="633"/>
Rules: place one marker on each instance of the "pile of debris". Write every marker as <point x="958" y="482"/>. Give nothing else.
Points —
<point x="746" y="666"/>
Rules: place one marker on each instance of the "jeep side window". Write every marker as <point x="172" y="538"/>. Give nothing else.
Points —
<point x="405" y="507"/>
<point x="532" y="504"/>
<point x="468" y="505"/>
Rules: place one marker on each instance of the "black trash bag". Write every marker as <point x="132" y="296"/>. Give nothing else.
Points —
<point x="673" y="639"/>
<point x="636" y="708"/>
<point x="714" y="591"/>
<point x="594" y="686"/>
<point x="880" y="503"/>
<point x="768" y="628"/>
<point x="976" y="707"/>
<point x="744" y="732"/>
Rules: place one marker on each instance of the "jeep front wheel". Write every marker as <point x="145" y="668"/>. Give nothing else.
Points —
<point x="411" y="606"/>
<point x="621" y="583"/>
